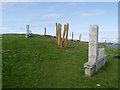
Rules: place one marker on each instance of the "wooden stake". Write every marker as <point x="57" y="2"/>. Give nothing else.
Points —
<point x="80" y="37"/>
<point x="56" y="32"/>
<point x="72" y="37"/>
<point x="66" y="35"/>
<point x="45" y="31"/>
<point x="60" y="36"/>
<point x="105" y="43"/>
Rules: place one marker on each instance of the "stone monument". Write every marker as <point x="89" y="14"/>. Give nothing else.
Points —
<point x="27" y="31"/>
<point x="94" y="61"/>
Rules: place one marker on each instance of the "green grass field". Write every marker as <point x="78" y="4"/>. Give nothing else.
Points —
<point x="38" y="62"/>
<point x="0" y="61"/>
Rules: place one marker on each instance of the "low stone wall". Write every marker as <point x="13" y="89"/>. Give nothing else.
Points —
<point x="91" y="68"/>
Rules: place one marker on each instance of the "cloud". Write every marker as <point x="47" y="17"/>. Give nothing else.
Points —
<point x="50" y="25"/>
<point x="92" y="13"/>
<point x="108" y="35"/>
<point x="47" y="19"/>
<point x="103" y="34"/>
<point x="52" y="15"/>
<point x="5" y="30"/>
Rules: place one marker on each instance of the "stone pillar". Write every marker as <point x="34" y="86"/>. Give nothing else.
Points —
<point x="66" y="35"/>
<point x="93" y="43"/>
<point x="45" y="31"/>
<point x="27" y="32"/>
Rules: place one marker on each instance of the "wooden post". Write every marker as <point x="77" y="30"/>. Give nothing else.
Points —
<point x="72" y="37"/>
<point x="56" y="32"/>
<point x="80" y="37"/>
<point x="105" y="43"/>
<point x="60" y="36"/>
<point x="66" y="35"/>
<point x="45" y="31"/>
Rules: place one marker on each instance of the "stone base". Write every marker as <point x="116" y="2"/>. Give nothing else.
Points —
<point x="28" y="35"/>
<point x="92" y="67"/>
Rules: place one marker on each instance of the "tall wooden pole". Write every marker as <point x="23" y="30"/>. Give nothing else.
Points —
<point x="80" y="37"/>
<point x="56" y="32"/>
<point x="72" y="37"/>
<point x="66" y="35"/>
<point x="60" y="36"/>
<point x="45" y="31"/>
<point x="105" y="43"/>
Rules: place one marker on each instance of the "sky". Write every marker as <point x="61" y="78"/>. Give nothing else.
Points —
<point x="79" y="15"/>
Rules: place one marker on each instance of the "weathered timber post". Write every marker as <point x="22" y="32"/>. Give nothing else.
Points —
<point x="56" y="32"/>
<point x="60" y="36"/>
<point x="66" y="35"/>
<point x="80" y="37"/>
<point x="105" y="43"/>
<point x="45" y="31"/>
<point x="72" y="37"/>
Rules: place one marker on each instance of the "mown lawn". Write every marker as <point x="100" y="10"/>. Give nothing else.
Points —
<point x="38" y="62"/>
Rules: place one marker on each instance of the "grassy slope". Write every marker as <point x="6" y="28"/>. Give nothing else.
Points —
<point x="0" y="62"/>
<point x="38" y="62"/>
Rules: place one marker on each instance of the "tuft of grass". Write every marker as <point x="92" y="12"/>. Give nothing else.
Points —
<point x="38" y="62"/>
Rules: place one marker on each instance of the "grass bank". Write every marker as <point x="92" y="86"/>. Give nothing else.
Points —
<point x="38" y="62"/>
